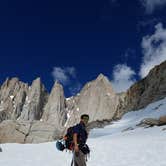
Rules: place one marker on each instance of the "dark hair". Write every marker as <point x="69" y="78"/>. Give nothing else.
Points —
<point x="84" y="115"/>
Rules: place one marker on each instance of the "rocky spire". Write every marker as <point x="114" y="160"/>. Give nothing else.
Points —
<point x="35" y="101"/>
<point x="12" y="98"/>
<point x="54" y="111"/>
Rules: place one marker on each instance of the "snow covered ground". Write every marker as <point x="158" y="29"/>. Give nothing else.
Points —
<point x="109" y="146"/>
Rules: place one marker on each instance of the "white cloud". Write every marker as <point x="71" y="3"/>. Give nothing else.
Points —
<point x="122" y="77"/>
<point x="151" y="5"/>
<point x="154" y="50"/>
<point x="67" y="76"/>
<point x="64" y="75"/>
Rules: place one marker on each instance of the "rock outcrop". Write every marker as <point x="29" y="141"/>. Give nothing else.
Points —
<point x="145" y="91"/>
<point x="54" y="110"/>
<point x="12" y="97"/>
<point x="97" y="99"/>
<point x="35" y="100"/>
<point x="27" y="131"/>
<point x="150" y="122"/>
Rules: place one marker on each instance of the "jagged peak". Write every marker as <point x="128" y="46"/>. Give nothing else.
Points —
<point x="101" y="80"/>
<point x="13" y="79"/>
<point x="101" y="77"/>
<point x="57" y="85"/>
<point x="36" y="81"/>
<point x="9" y="81"/>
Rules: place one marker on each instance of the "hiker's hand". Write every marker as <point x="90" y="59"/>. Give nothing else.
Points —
<point x="76" y="149"/>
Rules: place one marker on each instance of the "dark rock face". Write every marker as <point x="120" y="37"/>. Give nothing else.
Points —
<point x="145" y="91"/>
<point x="28" y="114"/>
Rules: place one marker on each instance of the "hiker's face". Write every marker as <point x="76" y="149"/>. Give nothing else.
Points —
<point x="85" y="120"/>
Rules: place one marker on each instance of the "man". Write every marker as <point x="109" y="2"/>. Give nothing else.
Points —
<point x="79" y="138"/>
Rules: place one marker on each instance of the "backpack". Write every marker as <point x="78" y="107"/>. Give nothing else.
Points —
<point x="68" y="139"/>
<point x="69" y="144"/>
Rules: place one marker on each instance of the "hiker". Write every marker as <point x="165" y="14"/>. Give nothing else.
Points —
<point x="80" y="136"/>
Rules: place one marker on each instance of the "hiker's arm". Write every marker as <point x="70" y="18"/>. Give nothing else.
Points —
<point x="75" y="139"/>
<point x="75" y="142"/>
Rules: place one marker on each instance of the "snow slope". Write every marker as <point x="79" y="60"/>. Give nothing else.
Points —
<point x="110" y="146"/>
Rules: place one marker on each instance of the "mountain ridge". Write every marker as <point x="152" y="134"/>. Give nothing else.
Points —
<point x="33" y="108"/>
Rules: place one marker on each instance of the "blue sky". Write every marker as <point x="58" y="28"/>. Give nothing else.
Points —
<point x="75" y="41"/>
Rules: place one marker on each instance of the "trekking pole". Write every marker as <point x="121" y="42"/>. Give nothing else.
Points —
<point x="72" y="162"/>
<point x="0" y="149"/>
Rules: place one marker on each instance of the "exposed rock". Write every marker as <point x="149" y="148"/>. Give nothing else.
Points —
<point x="148" y="122"/>
<point x="27" y="132"/>
<point x="97" y="99"/>
<point x="29" y="115"/>
<point x="162" y="120"/>
<point x="149" y="89"/>
<point x="9" y="133"/>
<point x="121" y="108"/>
<point x="35" y="101"/>
<point x="42" y="132"/>
<point x="12" y="98"/>
<point x="54" y="110"/>
<point x="98" y="124"/>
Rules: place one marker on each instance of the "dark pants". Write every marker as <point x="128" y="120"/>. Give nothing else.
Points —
<point x="79" y="159"/>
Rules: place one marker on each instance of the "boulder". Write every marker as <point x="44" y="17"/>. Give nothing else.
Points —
<point x="27" y="132"/>
<point x="149" y="122"/>
<point x="162" y="120"/>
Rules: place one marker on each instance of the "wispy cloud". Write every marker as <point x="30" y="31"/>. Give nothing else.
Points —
<point x="63" y="75"/>
<point x="154" y="50"/>
<point x="152" y="5"/>
<point x="123" y="77"/>
<point x="68" y="77"/>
